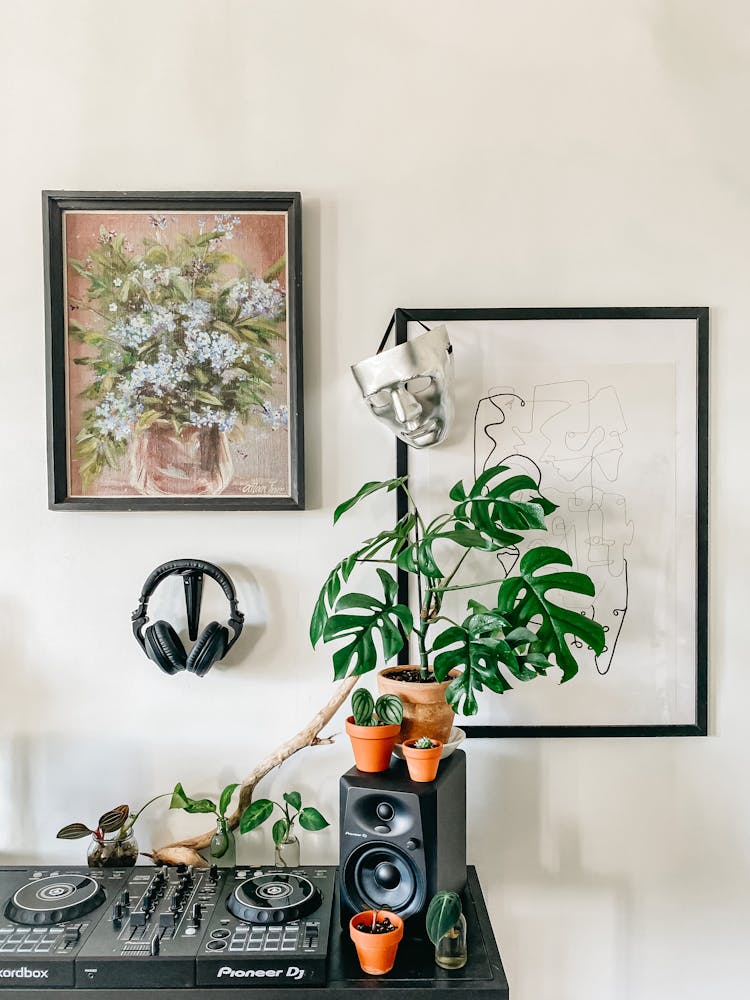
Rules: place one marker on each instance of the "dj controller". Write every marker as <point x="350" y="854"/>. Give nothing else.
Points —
<point x="164" y="927"/>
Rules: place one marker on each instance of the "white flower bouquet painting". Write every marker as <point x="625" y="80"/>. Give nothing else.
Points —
<point x="181" y="350"/>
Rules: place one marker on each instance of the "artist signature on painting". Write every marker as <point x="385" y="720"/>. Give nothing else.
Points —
<point x="262" y="486"/>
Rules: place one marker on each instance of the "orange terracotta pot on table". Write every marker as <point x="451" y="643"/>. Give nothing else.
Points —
<point x="426" y="712"/>
<point x="376" y="952"/>
<point x="423" y="764"/>
<point x="372" y="745"/>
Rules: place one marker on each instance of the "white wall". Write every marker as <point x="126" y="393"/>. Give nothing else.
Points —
<point x="449" y="154"/>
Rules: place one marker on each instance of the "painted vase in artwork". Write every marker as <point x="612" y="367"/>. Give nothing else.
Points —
<point x="195" y="461"/>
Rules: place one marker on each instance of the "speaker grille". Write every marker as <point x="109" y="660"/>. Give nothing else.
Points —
<point x="382" y="877"/>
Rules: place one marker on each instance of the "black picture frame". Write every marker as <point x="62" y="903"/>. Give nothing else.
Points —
<point x="700" y="316"/>
<point x="55" y="204"/>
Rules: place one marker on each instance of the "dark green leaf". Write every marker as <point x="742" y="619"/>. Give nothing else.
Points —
<point x="518" y="636"/>
<point x="491" y="509"/>
<point x="279" y="830"/>
<point x="418" y="557"/>
<point x="200" y="806"/>
<point x="398" y="535"/>
<point x="443" y="914"/>
<point x="226" y="798"/>
<point x="366" y="491"/>
<point x="311" y="819"/>
<point x="388" y="620"/>
<point x="255" y="814"/>
<point x="457" y="492"/>
<point x="524" y="599"/>
<point x="294" y="799"/>
<point x="479" y="658"/>
<point x="180" y="800"/>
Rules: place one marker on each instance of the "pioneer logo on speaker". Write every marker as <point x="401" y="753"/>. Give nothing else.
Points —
<point x="292" y="972"/>
<point x="24" y="973"/>
<point x="348" y="833"/>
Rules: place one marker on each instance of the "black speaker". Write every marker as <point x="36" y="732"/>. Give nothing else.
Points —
<point x="401" y="840"/>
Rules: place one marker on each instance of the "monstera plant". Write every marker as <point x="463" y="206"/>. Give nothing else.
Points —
<point x="524" y="634"/>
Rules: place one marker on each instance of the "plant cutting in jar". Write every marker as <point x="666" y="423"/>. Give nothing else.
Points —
<point x="446" y="928"/>
<point x="522" y="636"/>
<point x="286" y="844"/>
<point x="222" y="850"/>
<point x="373" y="729"/>
<point x="113" y="842"/>
<point x="183" y="345"/>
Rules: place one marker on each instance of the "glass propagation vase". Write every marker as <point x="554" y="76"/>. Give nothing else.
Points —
<point x="113" y="850"/>
<point x="286" y="854"/>
<point x="222" y="849"/>
<point x="450" y="951"/>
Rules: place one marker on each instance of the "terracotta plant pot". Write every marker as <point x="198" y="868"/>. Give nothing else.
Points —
<point x="426" y="712"/>
<point x="376" y="952"/>
<point x="422" y="764"/>
<point x="372" y="745"/>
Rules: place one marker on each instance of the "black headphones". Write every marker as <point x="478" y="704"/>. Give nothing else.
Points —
<point x="161" y="643"/>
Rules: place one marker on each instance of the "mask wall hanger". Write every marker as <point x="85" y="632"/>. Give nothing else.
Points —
<point x="408" y="387"/>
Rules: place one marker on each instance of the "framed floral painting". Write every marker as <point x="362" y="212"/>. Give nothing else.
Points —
<point x="174" y="350"/>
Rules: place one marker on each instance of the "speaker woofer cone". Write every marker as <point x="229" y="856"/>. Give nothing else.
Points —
<point x="381" y="877"/>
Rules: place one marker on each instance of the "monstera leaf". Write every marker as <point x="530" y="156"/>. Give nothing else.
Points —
<point x="489" y="506"/>
<point x="478" y="647"/>
<point x="397" y="537"/>
<point x="367" y="490"/>
<point x="523" y="600"/>
<point x="392" y="621"/>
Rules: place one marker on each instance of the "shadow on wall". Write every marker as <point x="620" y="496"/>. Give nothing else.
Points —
<point x="533" y="876"/>
<point x="20" y="697"/>
<point x="47" y="782"/>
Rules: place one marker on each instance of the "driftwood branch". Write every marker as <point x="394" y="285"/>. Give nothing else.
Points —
<point x="309" y="736"/>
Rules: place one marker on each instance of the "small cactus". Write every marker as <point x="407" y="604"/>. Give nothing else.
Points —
<point x="424" y="743"/>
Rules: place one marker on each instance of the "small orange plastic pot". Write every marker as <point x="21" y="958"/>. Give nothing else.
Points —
<point x="372" y="745"/>
<point x="422" y="764"/>
<point x="376" y="952"/>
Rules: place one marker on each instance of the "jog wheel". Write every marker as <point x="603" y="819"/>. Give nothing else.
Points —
<point x="273" y="898"/>
<point x="55" y="899"/>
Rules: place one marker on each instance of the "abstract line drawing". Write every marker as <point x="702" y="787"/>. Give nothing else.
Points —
<point x="570" y="439"/>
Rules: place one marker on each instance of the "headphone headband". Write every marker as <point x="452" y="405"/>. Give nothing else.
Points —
<point x="186" y="567"/>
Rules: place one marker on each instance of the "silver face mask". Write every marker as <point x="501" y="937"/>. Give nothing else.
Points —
<point x="409" y="387"/>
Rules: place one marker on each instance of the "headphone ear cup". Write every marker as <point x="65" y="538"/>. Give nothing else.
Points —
<point x="164" y="647"/>
<point x="210" y="646"/>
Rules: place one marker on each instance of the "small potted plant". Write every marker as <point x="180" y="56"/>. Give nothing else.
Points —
<point x="286" y="845"/>
<point x="113" y="843"/>
<point x="373" y="728"/>
<point x="376" y="935"/>
<point x="446" y="928"/>
<point x="222" y="849"/>
<point x="422" y="758"/>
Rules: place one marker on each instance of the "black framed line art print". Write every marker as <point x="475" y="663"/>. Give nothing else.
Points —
<point x="607" y="409"/>
<point x="174" y="350"/>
